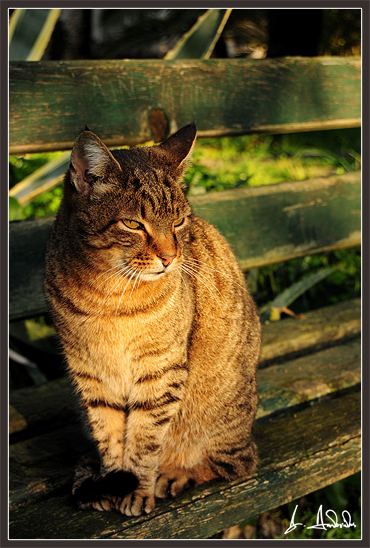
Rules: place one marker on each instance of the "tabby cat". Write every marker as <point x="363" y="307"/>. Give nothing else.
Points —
<point x="161" y="335"/>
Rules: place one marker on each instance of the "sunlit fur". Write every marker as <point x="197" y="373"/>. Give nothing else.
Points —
<point x="159" y="330"/>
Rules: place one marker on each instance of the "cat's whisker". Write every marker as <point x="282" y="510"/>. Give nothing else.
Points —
<point x="106" y="272"/>
<point x="197" y="272"/>
<point x="185" y="284"/>
<point x="120" y="275"/>
<point x="140" y="279"/>
<point x="193" y="275"/>
<point x="203" y="279"/>
<point x="209" y="267"/>
<point x="119" y="281"/>
<point x="124" y="289"/>
<point x="206" y="279"/>
<point x="123" y="292"/>
<point x="121" y="271"/>
<point x="133" y="287"/>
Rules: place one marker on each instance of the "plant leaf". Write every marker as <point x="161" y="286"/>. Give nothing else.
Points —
<point x="14" y="20"/>
<point x="294" y="291"/>
<point x="29" y="33"/>
<point x="41" y="180"/>
<point x="200" y="40"/>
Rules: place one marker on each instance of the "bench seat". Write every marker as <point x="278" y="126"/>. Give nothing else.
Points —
<point x="307" y="431"/>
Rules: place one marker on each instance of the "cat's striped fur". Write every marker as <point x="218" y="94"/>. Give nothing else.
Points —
<point x="160" y="332"/>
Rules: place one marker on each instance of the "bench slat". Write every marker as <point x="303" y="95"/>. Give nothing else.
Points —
<point x="128" y="102"/>
<point x="264" y="225"/>
<point x="290" y="384"/>
<point x="321" y="445"/>
<point x="274" y="223"/>
<point x="316" y="328"/>
<point x="27" y="247"/>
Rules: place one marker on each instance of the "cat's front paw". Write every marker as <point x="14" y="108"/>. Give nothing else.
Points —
<point x="137" y="503"/>
<point x="171" y="484"/>
<point x="105" y="504"/>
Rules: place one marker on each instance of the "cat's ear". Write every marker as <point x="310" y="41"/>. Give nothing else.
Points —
<point x="91" y="163"/>
<point x="176" y="150"/>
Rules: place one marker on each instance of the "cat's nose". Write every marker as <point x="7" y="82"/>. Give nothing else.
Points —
<point x="167" y="259"/>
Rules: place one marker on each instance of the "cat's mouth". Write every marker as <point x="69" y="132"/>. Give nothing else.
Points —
<point x="151" y="276"/>
<point x="156" y="274"/>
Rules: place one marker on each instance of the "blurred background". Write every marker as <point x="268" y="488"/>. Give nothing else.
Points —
<point x="152" y="33"/>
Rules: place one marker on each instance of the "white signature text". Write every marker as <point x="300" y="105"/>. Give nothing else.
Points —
<point x="331" y="523"/>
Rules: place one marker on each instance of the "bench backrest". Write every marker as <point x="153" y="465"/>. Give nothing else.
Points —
<point x="129" y="102"/>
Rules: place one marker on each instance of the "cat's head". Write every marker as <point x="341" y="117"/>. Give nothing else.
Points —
<point x="129" y="205"/>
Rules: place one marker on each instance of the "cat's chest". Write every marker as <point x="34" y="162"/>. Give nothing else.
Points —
<point x="120" y="337"/>
<point x="133" y="344"/>
<point x="119" y="352"/>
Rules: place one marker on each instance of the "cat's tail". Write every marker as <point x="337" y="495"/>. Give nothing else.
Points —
<point x="91" y="489"/>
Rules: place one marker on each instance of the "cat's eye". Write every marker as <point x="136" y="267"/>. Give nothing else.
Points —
<point x="178" y="222"/>
<point x="132" y="224"/>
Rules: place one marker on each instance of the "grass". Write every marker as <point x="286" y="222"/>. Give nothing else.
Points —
<point x="254" y="160"/>
<point x="230" y="162"/>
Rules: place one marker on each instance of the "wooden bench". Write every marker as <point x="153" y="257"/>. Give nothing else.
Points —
<point x="309" y="415"/>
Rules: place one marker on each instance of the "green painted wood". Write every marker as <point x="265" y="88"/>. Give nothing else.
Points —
<point x="42" y="407"/>
<point x="27" y="247"/>
<point x="51" y="438"/>
<point x="41" y="465"/>
<point x="278" y="222"/>
<point x="264" y="225"/>
<point x="316" y="328"/>
<point x="132" y="101"/>
<point x="290" y="384"/>
<point x="298" y="454"/>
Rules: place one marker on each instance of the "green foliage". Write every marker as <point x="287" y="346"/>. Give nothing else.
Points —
<point x="45" y="204"/>
<point x="22" y="166"/>
<point x="29" y="33"/>
<point x="342" y="284"/>
<point x="254" y="160"/>
<point x="199" y="41"/>
<point x="15" y="209"/>
<point x="42" y="180"/>
<point x="249" y="160"/>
